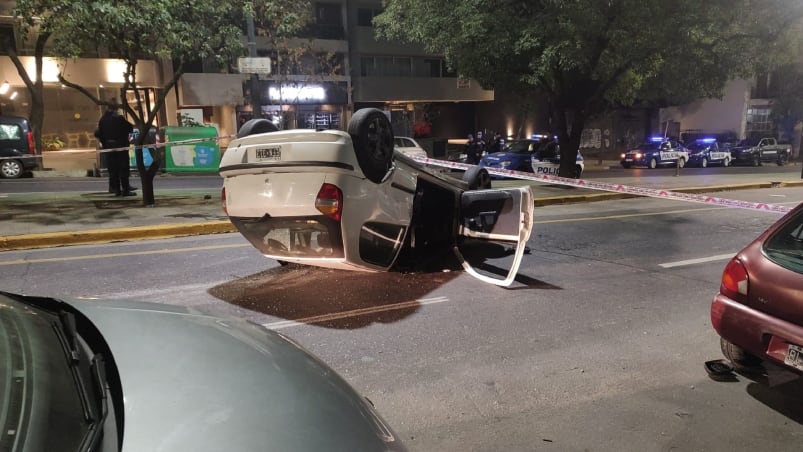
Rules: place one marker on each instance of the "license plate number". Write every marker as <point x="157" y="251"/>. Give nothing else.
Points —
<point x="628" y="160"/>
<point x="268" y="153"/>
<point x="794" y="357"/>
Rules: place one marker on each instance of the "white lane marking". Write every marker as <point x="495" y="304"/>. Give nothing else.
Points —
<point x="353" y="313"/>
<point x="132" y="253"/>
<point x="720" y="257"/>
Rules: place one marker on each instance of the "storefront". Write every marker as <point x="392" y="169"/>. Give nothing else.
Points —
<point x="299" y="105"/>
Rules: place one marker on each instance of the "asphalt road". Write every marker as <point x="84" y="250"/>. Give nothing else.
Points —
<point x="599" y="346"/>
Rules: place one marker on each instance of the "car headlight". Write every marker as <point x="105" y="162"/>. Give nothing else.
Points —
<point x="623" y="156"/>
<point x="638" y="155"/>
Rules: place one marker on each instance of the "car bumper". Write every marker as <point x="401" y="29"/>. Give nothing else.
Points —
<point x="760" y="334"/>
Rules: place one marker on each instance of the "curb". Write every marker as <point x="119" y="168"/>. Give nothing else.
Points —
<point x="163" y="231"/>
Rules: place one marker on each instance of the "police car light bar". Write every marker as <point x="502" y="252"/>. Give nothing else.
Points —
<point x="657" y="139"/>
<point x="706" y="140"/>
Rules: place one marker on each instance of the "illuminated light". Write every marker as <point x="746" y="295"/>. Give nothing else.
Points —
<point x="623" y="155"/>
<point x="50" y="70"/>
<point x="706" y="140"/>
<point x="295" y="93"/>
<point x="639" y="155"/>
<point x="4" y="87"/>
<point x="657" y="139"/>
<point x="13" y="95"/>
<point x="115" y="71"/>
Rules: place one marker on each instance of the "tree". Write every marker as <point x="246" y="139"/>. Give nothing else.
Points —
<point x="177" y="31"/>
<point x="33" y="18"/>
<point x="584" y="57"/>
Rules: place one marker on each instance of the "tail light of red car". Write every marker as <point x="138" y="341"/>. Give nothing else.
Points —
<point x="330" y="201"/>
<point x="735" y="281"/>
<point x="31" y="142"/>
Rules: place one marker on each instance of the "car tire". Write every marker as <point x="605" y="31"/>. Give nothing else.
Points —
<point x="653" y="163"/>
<point x="256" y="126"/>
<point x="11" y="169"/>
<point x="740" y="359"/>
<point x="704" y="163"/>
<point x="726" y="162"/>
<point x="681" y="163"/>
<point x="756" y="160"/>
<point x="781" y="161"/>
<point x="477" y="178"/>
<point x="372" y="137"/>
<point x="578" y="171"/>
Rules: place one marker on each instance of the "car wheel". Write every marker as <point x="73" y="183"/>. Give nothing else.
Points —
<point x="477" y="178"/>
<point x="740" y="359"/>
<point x="781" y="161"/>
<point x="756" y="160"/>
<point x="653" y="163"/>
<point x="10" y="169"/>
<point x="704" y="163"/>
<point x="578" y="171"/>
<point x="373" y="142"/>
<point x="681" y="163"/>
<point x="255" y="126"/>
<point x="726" y="162"/>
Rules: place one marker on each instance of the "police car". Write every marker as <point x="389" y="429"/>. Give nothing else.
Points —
<point x="709" y="151"/>
<point x="658" y="151"/>
<point x="547" y="161"/>
<point x="347" y="200"/>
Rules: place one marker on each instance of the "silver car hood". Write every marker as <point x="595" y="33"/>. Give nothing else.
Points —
<point x="193" y="382"/>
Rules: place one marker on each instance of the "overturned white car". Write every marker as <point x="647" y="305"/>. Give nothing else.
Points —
<point x="346" y="200"/>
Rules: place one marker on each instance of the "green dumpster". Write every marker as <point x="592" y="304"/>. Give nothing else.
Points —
<point x="198" y="155"/>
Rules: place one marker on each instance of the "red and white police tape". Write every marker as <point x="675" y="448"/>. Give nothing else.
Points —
<point x="617" y="188"/>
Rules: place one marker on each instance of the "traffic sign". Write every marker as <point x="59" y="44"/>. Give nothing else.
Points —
<point x="254" y="65"/>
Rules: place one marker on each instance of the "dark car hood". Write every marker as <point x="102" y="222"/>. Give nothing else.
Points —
<point x="193" y="382"/>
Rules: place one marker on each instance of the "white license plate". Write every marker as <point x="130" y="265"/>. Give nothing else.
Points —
<point x="628" y="160"/>
<point x="267" y="153"/>
<point x="794" y="357"/>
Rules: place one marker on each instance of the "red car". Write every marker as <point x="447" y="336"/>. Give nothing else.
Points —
<point x="758" y="311"/>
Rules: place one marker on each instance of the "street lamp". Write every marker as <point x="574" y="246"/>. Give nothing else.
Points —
<point x="4" y="87"/>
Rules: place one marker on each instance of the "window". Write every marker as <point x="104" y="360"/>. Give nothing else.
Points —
<point x="327" y="14"/>
<point x="758" y="120"/>
<point x="365" y="16"/>
<point x="386" y="66"/>
<point x="10" y="132"/>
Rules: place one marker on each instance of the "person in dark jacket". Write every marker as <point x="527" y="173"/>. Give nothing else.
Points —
<point x="113" y="133"/>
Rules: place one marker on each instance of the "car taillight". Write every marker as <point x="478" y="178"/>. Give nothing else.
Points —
<point x="31" y="142"/>
<point x="223" y="200"/>
<point x="735" y="281"/>
<point x="330" y="201"/>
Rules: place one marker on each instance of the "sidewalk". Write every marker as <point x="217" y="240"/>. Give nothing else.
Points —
<point x="39" y="220"/>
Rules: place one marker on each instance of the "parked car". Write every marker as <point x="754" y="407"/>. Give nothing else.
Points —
<point x="755" y="151"/>
<point x="409" y="146"/>
<point x="89" y="375"/>
<point x="346" y="200"/>
<point x="658" y="151"/>
<point x="515" y="157"/>
<point x="17" y="148"/>
<point x="548" y="162"/>
<point x="758" y="312"/>
<point x="709" y="151"/>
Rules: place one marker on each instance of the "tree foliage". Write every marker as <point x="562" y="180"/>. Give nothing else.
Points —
<point x="168" y="31"/>
<point x="587" y="56"/>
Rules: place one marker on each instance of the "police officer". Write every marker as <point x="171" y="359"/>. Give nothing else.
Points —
<point x="113" y="133"/>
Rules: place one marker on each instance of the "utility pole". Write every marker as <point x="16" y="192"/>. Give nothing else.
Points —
<point x="256" y="106"/>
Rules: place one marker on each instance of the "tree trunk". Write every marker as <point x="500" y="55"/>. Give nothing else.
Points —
<point x="569" y="134"/>
<point x="147" y="174"/>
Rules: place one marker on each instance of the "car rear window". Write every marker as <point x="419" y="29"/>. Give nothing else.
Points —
<point x="785" y="247"/>
<point x="10" y="132"/>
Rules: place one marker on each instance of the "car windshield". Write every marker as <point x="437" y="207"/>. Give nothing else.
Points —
<point x="650" y="146"/>
<point x="749" y="142"/>
<point x="785" y="247"/>
<point x="519" y="147"/>
<point x="699" y="146"/>
<point x="40" y="399"/>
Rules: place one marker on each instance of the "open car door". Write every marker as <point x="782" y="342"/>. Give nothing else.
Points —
<point x="495" y="224"/>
